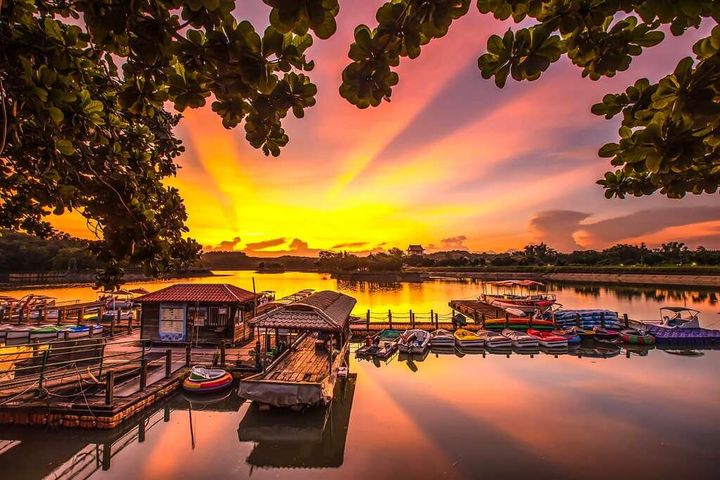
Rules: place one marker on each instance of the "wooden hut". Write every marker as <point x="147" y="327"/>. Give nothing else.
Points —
<point x="318" y="331"/>
<point x="197" y="313"/>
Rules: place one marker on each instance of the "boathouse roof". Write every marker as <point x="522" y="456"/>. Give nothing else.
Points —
<point x="321" y="311"/>
<point x="199" y="293"/>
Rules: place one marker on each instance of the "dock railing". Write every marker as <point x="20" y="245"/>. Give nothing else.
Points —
<point x="61" y="368"/>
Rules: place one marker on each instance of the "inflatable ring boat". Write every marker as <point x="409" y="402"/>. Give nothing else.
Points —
<point x="207" y="380"/>
<point x="636" y="337"/>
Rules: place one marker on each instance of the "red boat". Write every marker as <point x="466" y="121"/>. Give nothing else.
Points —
<point x="548" y="339"/>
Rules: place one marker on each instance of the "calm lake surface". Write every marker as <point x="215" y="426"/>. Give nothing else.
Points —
<point x="639" y="414"/>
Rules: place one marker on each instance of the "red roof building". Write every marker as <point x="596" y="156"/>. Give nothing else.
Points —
<point x="199" y="313"/>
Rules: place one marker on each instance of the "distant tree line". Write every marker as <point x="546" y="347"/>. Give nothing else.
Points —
<point x="20" y="252"/>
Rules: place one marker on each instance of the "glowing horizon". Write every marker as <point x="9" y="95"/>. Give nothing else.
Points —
<point x="451" y="162"/>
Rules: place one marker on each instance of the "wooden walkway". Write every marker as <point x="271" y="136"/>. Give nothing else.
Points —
<point x="304" y="363"/>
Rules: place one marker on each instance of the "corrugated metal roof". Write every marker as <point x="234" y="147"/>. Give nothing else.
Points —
<point x="199" y="292"/>
<point x="323" y="311"/>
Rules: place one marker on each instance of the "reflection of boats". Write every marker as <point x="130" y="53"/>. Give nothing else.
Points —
<point x="685" y="352"/>
<point x="414" y="341"/>
<point x="315" y="439"/>
<point x="639" y="350"/>
<point x="467" y="339"/>
<point x="381" y="345"/>
<point x="597" y="351"/>
<point x="519" y="339"/>
<point x="681" y="325"/>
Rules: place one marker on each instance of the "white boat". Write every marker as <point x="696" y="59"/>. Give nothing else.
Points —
<point x="467" y="339"/>
<point x="15" y="332"/>
<point x="44" y="332"/>
<point x="548" y="339"/>
<point x="414" y="341"/>
<point x="494" y="339"/>
<point x="442" y="338"/>
<point x="520" y="339"/>
<point x="676" y="317"/>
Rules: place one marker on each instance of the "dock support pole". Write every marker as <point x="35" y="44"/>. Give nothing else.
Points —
<point x="626" y="319"/>
<point x="602" y="319"/>
<point x="91" y="331"/>
<point x="577" y="320"/>
<point x="141" y="431"/>
<point x="112" y="328"/>
<point x="432" y="317"/>
<point x="129" y="324"/>
<point x="367" y="320"/>
<point x="168" y="362"/>
<point x="143" y="374"/>
<point x="482" y="318"/>
<point x="188" y="354"/>
<point x="222" y="353"/>
<point x="109" y="387"/>
<point x="437" y="321"/>
<point x="412" y="319"/>
<point x="390" y="318"/>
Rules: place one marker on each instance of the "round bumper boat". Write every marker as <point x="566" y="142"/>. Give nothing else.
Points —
<point x="207" y="380"/>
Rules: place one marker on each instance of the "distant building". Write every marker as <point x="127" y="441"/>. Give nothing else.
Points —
<point x="415" y="250"/>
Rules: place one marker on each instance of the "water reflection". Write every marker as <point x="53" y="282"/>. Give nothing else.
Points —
<point x="314" y="438"/>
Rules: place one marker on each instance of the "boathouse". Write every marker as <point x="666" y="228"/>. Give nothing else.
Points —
<point x="316" y="330"/>
<point x="197" y="313"/>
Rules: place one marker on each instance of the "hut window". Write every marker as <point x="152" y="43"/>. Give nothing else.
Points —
<point x="197" y="316"/>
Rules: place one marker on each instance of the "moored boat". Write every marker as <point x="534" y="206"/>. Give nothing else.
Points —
<point x="44" y="332"/>
<point x="605" y="334"/>
<point x="207" y="380"/>
<point x="571" y="335"/>
<point x="548" y="339"/>
<point x="494" y="340"/>
<point x="17" y="332"/>
<point x="466" y="339"/>
<point x="381" y="345"/>
<point x="636" y="337"/>
<point x="680" y="326"/>
<point x="518" y="323"/>
<point x="414" y="341"/>
<point x="442" y="338"/>
<point x="520" y="339"/>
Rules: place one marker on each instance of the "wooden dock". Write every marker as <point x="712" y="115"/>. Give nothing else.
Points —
<point x="306" y="364"/>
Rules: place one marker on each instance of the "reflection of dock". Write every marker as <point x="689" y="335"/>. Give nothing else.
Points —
<point x="313" y="439"/>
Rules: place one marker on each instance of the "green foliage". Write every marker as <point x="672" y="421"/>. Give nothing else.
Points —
<point x="27" y="253"/>
<point x="669" y="134"/>
<point x="85" y="86"/>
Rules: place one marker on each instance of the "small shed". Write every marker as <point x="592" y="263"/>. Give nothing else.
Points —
<point x="415" y="250"/>
<point x="198" y="313"/>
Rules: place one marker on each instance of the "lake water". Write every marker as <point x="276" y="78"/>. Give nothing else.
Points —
<point x="640" y="415"/>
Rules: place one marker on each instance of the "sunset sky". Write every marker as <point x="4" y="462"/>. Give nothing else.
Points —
<point x="451" y="162"/>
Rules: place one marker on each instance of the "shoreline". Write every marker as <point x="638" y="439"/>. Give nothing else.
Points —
<point x="663" y="279"/>
<point x="87" y="280"/>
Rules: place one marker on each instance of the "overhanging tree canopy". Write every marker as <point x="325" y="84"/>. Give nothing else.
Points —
<point x="86" y="87"/>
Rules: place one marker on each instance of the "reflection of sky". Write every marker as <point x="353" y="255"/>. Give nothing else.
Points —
<point x="450" y="156"/>
<point x="472" y="417"/>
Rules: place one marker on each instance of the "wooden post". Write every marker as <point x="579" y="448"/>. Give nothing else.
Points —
<point x="81" y="315"/>
<point x="222" y="352"/>
<point x="143" y="374"/>
<point x="112" y="328"/>
<point x="626" y="319"/>
<point x="367" y="320"/>
<point x="577" y="320"/>
<point x="482" y="318"/>
<point x="141" y="431"/>
<point x="188" y="354"/>
<point x="102" y="360"/>
<point x="168" y="362"/>
<point x="602" y="319"/>
<point x="91" y="330"/>
<point x="412" y="319"/>
<point x="61" y="315"/>
<point x="129" y="330"/>
<point x="45" y="314"/>
<point x="390" y="318"/>
<point x="109" y="387"/>
<point x="475" y="316"/>
<point x="437" y="321"/>
<point x="66" y="335"/>
<point x="432" y="316"/>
